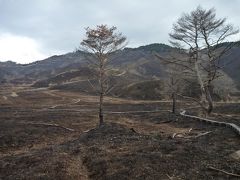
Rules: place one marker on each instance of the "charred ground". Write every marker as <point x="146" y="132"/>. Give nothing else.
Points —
<point x="133" y="145"/>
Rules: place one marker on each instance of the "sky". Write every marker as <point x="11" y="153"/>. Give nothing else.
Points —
<point x="32" y="30"/>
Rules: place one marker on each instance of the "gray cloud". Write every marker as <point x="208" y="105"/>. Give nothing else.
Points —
<point x="58" y="25"/>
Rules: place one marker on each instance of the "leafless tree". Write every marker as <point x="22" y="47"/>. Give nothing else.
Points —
<point x="174" y="82"/>
<point x="202" y="33"/>
<point x="101" y="42"/>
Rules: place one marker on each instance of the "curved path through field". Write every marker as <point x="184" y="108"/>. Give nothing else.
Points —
<point x="219" y="123"/>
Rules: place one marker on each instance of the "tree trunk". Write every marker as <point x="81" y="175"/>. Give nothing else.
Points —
<point x="101" y="109"/>
<point x="173" y="103"/>
<point x="204" y="92"/>
<point x="209" y="100"/>
<point x="101" y="77"/>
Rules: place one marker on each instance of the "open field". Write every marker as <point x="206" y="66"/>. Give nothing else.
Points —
<point x="49" y="134"/>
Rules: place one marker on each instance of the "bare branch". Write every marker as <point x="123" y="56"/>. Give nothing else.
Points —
<point x="225" y="172"/>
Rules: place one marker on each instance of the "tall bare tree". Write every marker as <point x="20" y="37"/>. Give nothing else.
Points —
<point x="201" y="32"/>
<point x="101" y="42"/>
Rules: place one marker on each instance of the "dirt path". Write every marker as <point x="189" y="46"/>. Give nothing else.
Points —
<point x="233" y="126"/>
<point x="66" y="104"/>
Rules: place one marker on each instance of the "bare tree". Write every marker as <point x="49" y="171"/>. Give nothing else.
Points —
<point x="202" y="34"/>
<point x="101" y="42"/>
<point x="174" y="82"/>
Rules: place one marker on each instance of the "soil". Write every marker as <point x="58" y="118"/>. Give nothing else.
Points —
<point x="134" y="145"/>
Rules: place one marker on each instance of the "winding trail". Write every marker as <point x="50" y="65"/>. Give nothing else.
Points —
<point x="219" y="123"/>
<point x="67" y="104"/>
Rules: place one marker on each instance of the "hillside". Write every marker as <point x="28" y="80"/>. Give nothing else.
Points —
<point x="72" y="71"/>
<point x="232" y="64"/>
<point x="55" y="65"/>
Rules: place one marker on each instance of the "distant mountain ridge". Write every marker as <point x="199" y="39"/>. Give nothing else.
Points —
<point x="157" y="47"/>
<point x="130" y="66"/>
<point x="61" y="63"/>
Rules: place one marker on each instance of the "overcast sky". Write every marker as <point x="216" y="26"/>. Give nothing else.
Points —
<point x="32" y="30"/>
